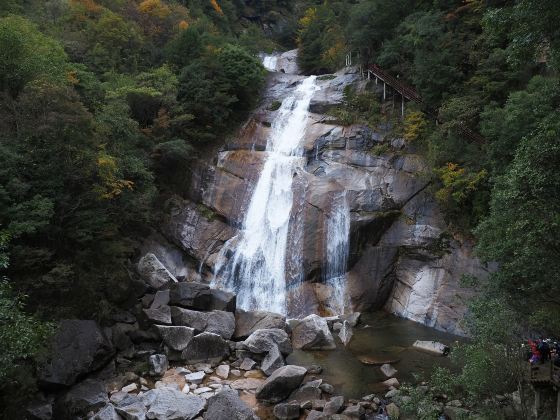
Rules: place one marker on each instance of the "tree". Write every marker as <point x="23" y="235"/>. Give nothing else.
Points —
<point x="522" y="231"/>
<point x="26" y="54"/>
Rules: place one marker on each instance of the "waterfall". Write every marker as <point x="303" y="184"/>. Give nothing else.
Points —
<point x="256" y="271"/>
<point x="269" y="62"/>
<point x="338" y="232"/>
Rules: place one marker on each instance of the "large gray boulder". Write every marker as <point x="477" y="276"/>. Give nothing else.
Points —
<point x="227" y="405"/>
<point x="262" y="341"/>
<point x="159" y="315"/>
<point x="191" y="295"/>
<point x="312" y="333"/>
<point x="78" y="347"/>
<point x="170" y="404"/>
<point x="272" y="361"/>
<point x="217" y="322"/>
<point x="176" y="337"/>
<point x="247" y="322"/>
<point x="280" y="384"/>
<point x="89" y="395"/>
<point x="223" y="301"/>
<point x="206" y="348"/>
<point x="154" y="273"/>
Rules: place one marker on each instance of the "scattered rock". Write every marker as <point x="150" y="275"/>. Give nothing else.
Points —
<point x="176" y="337"/>
<point x="154" y="273"/>
<point x="235" y="372"/>
<point x="130" y="388"/>
<point x="391" y="382"/>
<point x="107" y="413"/>
<point x="314" y="370"/>
<point x="354" y="411"/>
<point x="222" y="371"/>
<point x="280" y="384"/>
<point x="227" y="405"/>
<point x="247" y="364"/>
<point x="78" y="347"/>
<point x="131" y="408"/>
<point x="346" y="333"/>
<point x="392" y="393"/>
<point x="247" y="384"/>
<point x="388" y="370"/>
<point x="195" y="377"/>
<point x="191" y="295"/>
<point x="328" y="388"/>
<point x="158" y="364"/>
<point x="312" y="333"/>
<point x="206" y="347"/>
<point x="456" y="413"/>
<point x="334" y="405"/>
<point x="286" y="411"/>
<point x="308" y="391"/>
<point x="159" y="315"/>
<point x="202" y="390"/>
<point x="392" y="411"/>
<point x="167" y="403"/>
<point x="89" y="395"/>
<point x="432" y="347"/>
<point x="247" y="322"/>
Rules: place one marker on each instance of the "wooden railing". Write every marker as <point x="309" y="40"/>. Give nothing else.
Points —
<point x="411" y="94"/>
<point x="546" y="372"/>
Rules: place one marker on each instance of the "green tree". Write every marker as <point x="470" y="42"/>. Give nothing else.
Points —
<point x="26" y="54"/>
<point x="522" y="231"/>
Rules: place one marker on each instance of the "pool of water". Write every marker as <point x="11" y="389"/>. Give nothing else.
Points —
<point x="379" y="336"/>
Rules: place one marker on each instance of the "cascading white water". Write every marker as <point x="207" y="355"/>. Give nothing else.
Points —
<point x="257" y="270"/>
<point x="338" y="232"/>
<point x="269" y="62"/>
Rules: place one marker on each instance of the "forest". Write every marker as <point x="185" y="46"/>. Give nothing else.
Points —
<point x="104" y="104"/>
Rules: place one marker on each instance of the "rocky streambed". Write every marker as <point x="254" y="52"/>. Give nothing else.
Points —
<point x="186" y="352"/>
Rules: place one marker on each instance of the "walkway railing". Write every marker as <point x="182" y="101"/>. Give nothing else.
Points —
<point x="410" y="93"/>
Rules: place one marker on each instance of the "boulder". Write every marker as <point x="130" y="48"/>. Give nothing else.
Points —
<point x="154" y="273"/>
<point x="391" y="382"/>
<point x="262" y="341"/>
<point x="176" y="337"/>
<point x="432" y="347"/>
<point x="170" y="404"/>
<point x="393" y="411"/>
<point x="345" y="334"/>
<point x="158" y="364"/>
<point x="456" y="413"/>
<point x="247" y="364"/>
<point x="78" y="347"/>
<point x="308" y="391"/>
<point x="280" y="384"/>
<point x="312" y="333"/>
<point x="195" y="377"/>
<point x="247" y="322"/>
<point x="206" y="347"/>
<point x="286" y="411"/>
<point x="272" y="361"/>
<point x="131" y="409"/>
<point x="223" y="301"/>
<point x="222" y="371"/>
<point x="192" y="295"/>
<point x="107" y="413"/>
<point x="352" y="318"/>
<point x="388" y="370"/>
<point x="40" y="411"/>
<point x="334" y="405"/>
<point x="159" y="315"/>
<point x="89" y="395"/>
<point x="354" y="412"/>
<point x="217" y="322"/>
<point x="227" y="405"/>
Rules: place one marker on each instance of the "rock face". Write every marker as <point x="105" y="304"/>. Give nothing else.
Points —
<point x="280" y="384"/>
<point x="79" y="347"/>
<point x="312" y="333"/>
<point x="402" y="256"/>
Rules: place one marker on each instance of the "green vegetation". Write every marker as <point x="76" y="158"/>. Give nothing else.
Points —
<point x="103" y="105"/>
<point x="491" y="66"/>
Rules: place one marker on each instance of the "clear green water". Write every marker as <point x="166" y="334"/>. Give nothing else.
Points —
<point x="381" y="336"/>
